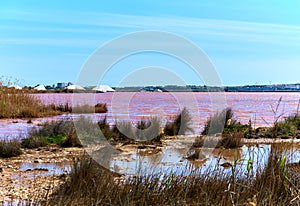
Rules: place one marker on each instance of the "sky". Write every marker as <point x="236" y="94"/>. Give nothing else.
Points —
<point x="248" y="42"/>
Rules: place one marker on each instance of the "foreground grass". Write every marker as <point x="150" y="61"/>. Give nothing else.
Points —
<point x="90" y="184"/>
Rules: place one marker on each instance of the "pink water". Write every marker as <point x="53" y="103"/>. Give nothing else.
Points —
<point x="259" y="107"/>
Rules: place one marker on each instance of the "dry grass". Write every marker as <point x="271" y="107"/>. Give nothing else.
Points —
<point x="80" y="109"/>
<point x="179" y="125"/>
<point x="61" y="133"/>
<point x="10" y="148"/>
<point x="146" y="131"/>
<point x="90" y="184"/>
<point x="228" y="140"/>
<point x="21" y="104"/>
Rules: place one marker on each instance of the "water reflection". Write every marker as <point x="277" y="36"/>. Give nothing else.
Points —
<point x="254" y="106"/>
<point x="52" y="168"/>
<point x="172" y="160"/>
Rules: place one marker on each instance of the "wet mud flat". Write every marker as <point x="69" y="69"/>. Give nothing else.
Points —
<point x="36" y="173"/>
<point x="173" y="156"/>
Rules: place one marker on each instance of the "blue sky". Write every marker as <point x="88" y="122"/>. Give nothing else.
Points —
<point x="253" y="42"/>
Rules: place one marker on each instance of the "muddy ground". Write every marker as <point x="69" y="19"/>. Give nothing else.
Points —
<point x="36" y="173"/>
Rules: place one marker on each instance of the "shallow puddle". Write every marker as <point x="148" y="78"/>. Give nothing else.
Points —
<point x="44" y="169"/>
<point x="171" y="159"/>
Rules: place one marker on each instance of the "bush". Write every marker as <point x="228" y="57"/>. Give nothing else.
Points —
<point x="288" y="128"/>
<point x="179" y="125"/>
<point x="10" y="148"/>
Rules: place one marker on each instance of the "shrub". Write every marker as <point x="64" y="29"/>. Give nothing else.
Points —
<point x="10" y="148"/>
<point x="55" y="139"/>
<point x="61" y="107"/>
<point x="179" y="125"/>
<point x="288" y="128"/>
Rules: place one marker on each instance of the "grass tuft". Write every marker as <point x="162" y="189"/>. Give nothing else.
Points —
<point x="10" y="148"/>
<point x="179" y="125"/>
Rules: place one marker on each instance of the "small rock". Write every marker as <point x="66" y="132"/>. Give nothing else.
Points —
<point x="226" y="165"/>
<point x="10" y="166"/>
<point x="62" y="176"/>
<point x="41" y="169"/>
<point x="37" y="161"/>
<point x="1" y="169"/>
<point x="46" y="188"/>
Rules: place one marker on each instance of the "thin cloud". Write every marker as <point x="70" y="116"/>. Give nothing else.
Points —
<point x="111" y="24"/>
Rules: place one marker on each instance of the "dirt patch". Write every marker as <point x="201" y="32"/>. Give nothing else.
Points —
<point x="36" y="173"/>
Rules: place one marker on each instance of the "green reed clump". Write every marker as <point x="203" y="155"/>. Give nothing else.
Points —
<point x="289" y="127"/>
<point x="34" y="142"/>
<point x="179" y="125"/>
<point x="62" y="133"/>
<point x="223" y="121"/>
<point x="10" y="148"/>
